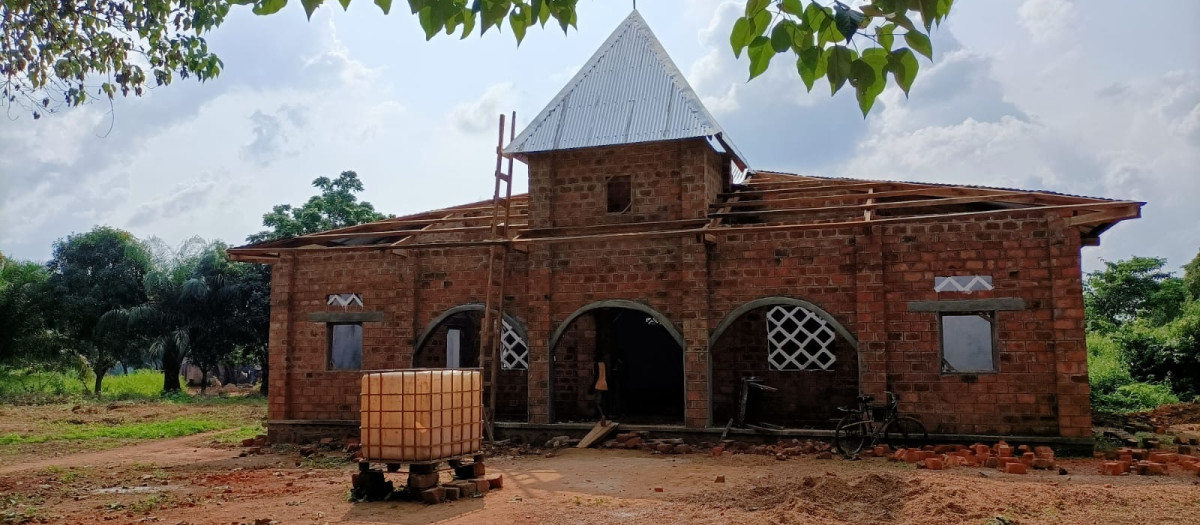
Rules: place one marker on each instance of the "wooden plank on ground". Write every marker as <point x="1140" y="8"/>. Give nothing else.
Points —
<point x="597" y="434"/>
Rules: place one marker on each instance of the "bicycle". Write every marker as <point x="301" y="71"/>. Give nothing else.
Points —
<point x="862" y="426"/>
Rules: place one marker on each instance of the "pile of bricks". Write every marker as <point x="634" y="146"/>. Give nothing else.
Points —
<point x="253" y="446"/>
<point x="470" y="481"/>
<point x="1143" y="462"/>
<point x="1001" y="456"/>
<point x="641" y="440"/>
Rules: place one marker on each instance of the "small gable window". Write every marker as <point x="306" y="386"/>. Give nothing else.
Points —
<point x="345" y="346"/>
<point x="619" y="193"/>
<point x="968" y="342"/>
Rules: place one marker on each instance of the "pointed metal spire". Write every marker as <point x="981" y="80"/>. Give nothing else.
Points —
<point x="629" y="91"/>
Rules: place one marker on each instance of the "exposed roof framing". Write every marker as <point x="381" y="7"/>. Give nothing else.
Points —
<point x="766" y="202"/>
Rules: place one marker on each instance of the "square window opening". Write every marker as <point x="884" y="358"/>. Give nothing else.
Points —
<point x="345" y="346"/>
<point x="968" y="342"/>
<point x="619" y="193"/>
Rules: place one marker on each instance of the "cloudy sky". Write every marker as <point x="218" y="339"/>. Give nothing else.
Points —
<point x="1094" y="98"/>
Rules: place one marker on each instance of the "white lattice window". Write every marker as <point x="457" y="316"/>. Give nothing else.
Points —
<point x="798" y="339"/>
<point x="514" y="353"/>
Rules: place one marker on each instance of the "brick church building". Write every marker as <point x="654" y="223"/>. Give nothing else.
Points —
<point x="648" y="243"/>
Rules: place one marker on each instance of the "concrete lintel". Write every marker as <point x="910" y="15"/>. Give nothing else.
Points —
<point x="968" y="305"/>
<point x="346" y="317"/>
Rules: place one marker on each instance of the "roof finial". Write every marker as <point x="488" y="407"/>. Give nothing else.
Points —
<point x="635" y="5"/>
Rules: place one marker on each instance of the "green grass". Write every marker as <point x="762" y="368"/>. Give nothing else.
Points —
<point x="178" y="427"/>
<point x="236" y="436"/>
<point x="23" y="387"/>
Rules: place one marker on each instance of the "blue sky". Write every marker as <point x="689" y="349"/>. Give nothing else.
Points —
<point x="1062" y="95"/>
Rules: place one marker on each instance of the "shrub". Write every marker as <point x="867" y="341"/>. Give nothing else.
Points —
<point x="1134" y="397"/>
<point x="1107" y="370"/>
<point x="1169" y="353"/>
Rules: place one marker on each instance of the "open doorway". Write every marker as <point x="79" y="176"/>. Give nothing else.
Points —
<point x="643" y="364"/>
<point x="452" y="341"/>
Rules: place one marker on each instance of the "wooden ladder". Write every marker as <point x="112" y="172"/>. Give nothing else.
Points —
<point x="493" y="304"/>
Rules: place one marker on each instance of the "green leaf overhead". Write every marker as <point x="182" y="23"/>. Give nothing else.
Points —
<point x="811" y="64"/>
<point x="781" y="36"/>
<point x="311" y="6"/>
<point x="919" y="43"/>
<point x="903" y="65"/>
<point x="761" y="53"/>
<point x="268" y="7"/>
<point x="839" y="59"/>
<point x="886" y="35"/>
<point x="116" y="46"/>
<point x="742" y="35"/>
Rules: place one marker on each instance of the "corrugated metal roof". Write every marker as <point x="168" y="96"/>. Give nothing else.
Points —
<point x="629" y="91"/>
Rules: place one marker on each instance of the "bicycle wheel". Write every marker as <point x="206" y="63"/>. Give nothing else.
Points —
<point x="852" y="435"/>
<point x="905" y="432"/>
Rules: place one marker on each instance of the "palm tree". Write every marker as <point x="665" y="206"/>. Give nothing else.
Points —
<point x="194" y="295"/>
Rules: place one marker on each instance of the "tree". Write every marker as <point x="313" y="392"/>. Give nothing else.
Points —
<point x="176" y="310"/>
<point x="1169" y="353"/>
<point x="92" y="274"/>
<point x="1191" y="278"/>
<point x="53" y="51"/>
<point x="22" y="310"/>
<point x="337" y="206"/>
<point x="50" y="49"/>
<point x="212" y="297"/>
<point x="815" y="35"/>
<point x="252" y="317"/>
<point x="1131" y="289"/>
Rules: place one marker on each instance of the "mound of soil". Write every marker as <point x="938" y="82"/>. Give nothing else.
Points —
<point x="1170" y="415"/>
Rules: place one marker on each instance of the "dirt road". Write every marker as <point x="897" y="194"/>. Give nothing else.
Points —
<point x="188" y="481"/>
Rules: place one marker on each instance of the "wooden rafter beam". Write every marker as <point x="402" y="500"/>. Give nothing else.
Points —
<point x="1117" y="213"/>
<point x="910" y="218"/>
<point x="429" y="229"/>
<point x="541" y="233"/>
<point x="870" y="193"/>
<point x="778" y="191"/>
<point x="918" y="203"/>
<point x="261" y="259"/>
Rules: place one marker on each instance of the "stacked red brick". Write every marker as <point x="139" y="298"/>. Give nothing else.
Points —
<point x="1002" y="456"/>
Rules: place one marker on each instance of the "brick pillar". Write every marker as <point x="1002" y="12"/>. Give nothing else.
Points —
<point x="870" y="325"/>
<point x="1070" y="338"/>
<point x="694" y="309"/>
<point x="283" y="278"/>
<point x="538" y="303"/>
<point x="405" y="320"/>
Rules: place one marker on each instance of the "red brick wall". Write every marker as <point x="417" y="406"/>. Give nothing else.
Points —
<point x="301" y="386"/>
<point x="1041" y="385"/>
<point x="806" y="398"/>
<point x="864" y="277"/>
<point x="670" y="180"/>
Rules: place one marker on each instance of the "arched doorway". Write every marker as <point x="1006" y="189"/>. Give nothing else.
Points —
<point x="643" y="354"/>
<point x="452" y="341"/>
<point x="791" y="345"/>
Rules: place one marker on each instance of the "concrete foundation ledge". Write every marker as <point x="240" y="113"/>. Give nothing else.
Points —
<point x="540" y="433"/>
<point x="308" y="430"/>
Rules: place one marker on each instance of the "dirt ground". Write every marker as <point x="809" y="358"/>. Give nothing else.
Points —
<point x="52" y="420"/>
<point x="190" y="480"/>
<point x="202" y="479"/>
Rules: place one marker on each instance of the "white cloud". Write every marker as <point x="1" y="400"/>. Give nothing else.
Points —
<point x="480" y="115"/>
<point x="1048" y="20"/>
